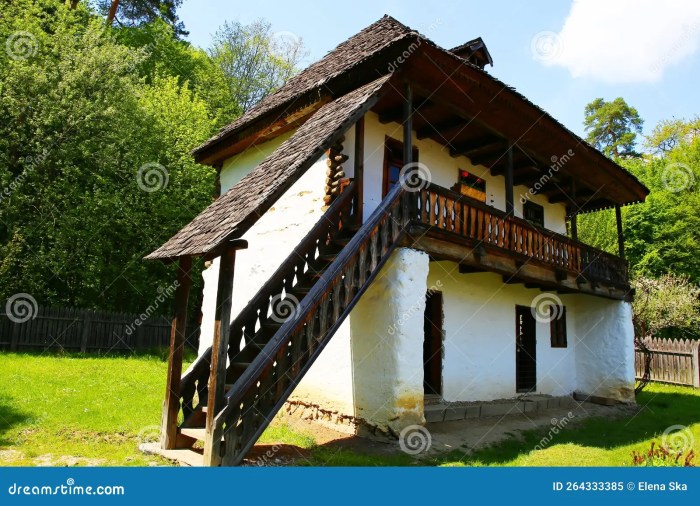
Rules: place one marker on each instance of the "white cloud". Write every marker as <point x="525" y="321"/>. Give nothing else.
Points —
<point x="622" y="41"/>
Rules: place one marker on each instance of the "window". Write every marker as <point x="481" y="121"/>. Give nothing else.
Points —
<point x="470" y="185"/>
<point x="557" y="326"/>
<point x="393" y="163"/>
<point x="534" y="213"/>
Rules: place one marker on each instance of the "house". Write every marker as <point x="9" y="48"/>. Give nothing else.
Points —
<point x="396" y="230"/>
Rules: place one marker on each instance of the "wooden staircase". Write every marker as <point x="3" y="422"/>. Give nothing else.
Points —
<point x="275" y="339"/>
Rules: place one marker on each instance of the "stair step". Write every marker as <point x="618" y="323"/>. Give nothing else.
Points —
<point x="195" y="433"/>
<point x="342" y="241"/>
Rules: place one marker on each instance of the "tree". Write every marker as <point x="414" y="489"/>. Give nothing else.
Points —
<point x="612" y="127"/>
<point x="669" y="134"/>
<point x="254" y="60"/>
<point x="139" y="12"/>
<point x="667" y="302"/>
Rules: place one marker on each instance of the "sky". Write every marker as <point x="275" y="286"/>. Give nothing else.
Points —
<point x="559" y="54"/>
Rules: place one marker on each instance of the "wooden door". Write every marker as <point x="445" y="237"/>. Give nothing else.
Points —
<point x="525" y="350"/>
<point x="432" y="344"/>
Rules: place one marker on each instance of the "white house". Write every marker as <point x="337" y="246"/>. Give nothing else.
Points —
<point x="395" y="240"/>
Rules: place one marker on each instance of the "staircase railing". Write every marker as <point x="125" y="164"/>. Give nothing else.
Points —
<point x="269" y="380"/>
<point x="269" y="301"/>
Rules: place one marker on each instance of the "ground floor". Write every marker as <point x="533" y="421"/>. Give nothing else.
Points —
<point x="430" y="337"/>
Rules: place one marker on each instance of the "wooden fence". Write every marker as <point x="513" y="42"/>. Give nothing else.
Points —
<point x="88" y="330"/>
<point x="674" y="361"/>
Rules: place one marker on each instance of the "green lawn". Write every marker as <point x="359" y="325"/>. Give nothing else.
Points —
<point x="599" y="441"/>
<point x="75" y="410"/>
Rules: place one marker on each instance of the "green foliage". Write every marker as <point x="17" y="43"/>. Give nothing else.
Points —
<point x="667" y="302"/>
<point x="669" y="134"/>
<point x="254" y="60"/>
<point x="612" y="127"/>
<point x="91" y="118"/>
<point x="139" y="12"/>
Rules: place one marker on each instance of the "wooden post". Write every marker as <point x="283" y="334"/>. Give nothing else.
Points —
<point x="407" y="125"/>
<point x="620" y="236"/>
<point x="359" y="168"/>
<point x="510" y="207"/>
<point x="574" y="214"/>
<point x="171" y="405"/>
<point x="219" y="352"/>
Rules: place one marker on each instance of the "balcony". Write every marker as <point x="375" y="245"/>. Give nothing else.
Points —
<point x="451" y="226"/>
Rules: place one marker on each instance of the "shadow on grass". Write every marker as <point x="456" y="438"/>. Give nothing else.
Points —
<point x="10" y="417"/>
<point x="658" y="411"/>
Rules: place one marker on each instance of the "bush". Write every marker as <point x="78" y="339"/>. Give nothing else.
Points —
<point x="662" y="456"/>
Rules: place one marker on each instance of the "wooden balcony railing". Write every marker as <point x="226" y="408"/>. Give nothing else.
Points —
<point x="452" y="212"/>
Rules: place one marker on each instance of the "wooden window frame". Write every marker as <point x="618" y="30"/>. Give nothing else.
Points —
<point x="557" y="327"/>
<point x="533" y="204"/>
<point x="393" y="152"/>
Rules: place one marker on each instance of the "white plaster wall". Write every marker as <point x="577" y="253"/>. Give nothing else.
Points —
<point x="443" y="169"/>
<point x="479" y="338"/>
<point x="271" y="239"/>
<point x="605" y="348"/>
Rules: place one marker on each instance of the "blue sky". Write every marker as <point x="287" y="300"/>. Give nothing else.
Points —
<point x="561" y="55"/>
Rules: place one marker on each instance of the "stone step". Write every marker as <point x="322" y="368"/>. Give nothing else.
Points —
<point x="446" y="412"/>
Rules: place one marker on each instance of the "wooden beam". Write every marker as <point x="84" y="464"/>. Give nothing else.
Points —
<point x="478" y="147"/>
<point x="408" y="125"/>
<point x="510" y="208"/>
<point x="574" y="214"/>
<point x="359" y="168"/>
<point x="178" y="335"/>
<point x="219" y="352"/>
<point x="395" y="114"/>
<point x="620" y="236"/>
<point x="470" y="269"/>
<point x="440" y="128"/>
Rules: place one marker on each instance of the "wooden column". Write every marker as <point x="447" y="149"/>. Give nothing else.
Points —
<point x="219" y="352"/>
<point x="620" y="236"/>
<point x="574" y="214"/>
<point x="178" y="334"/>
<point x="407" y="125"/>
<point x="510" y="207"/>
<point x="359" y="168"/>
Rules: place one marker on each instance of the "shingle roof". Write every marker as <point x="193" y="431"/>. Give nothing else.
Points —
<point x="349" y="54"/>
<point x="237" y="209"/>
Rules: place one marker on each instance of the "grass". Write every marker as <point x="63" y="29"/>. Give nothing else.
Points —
<point x="88" y="410"/>
<point x="599" y="441"/>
